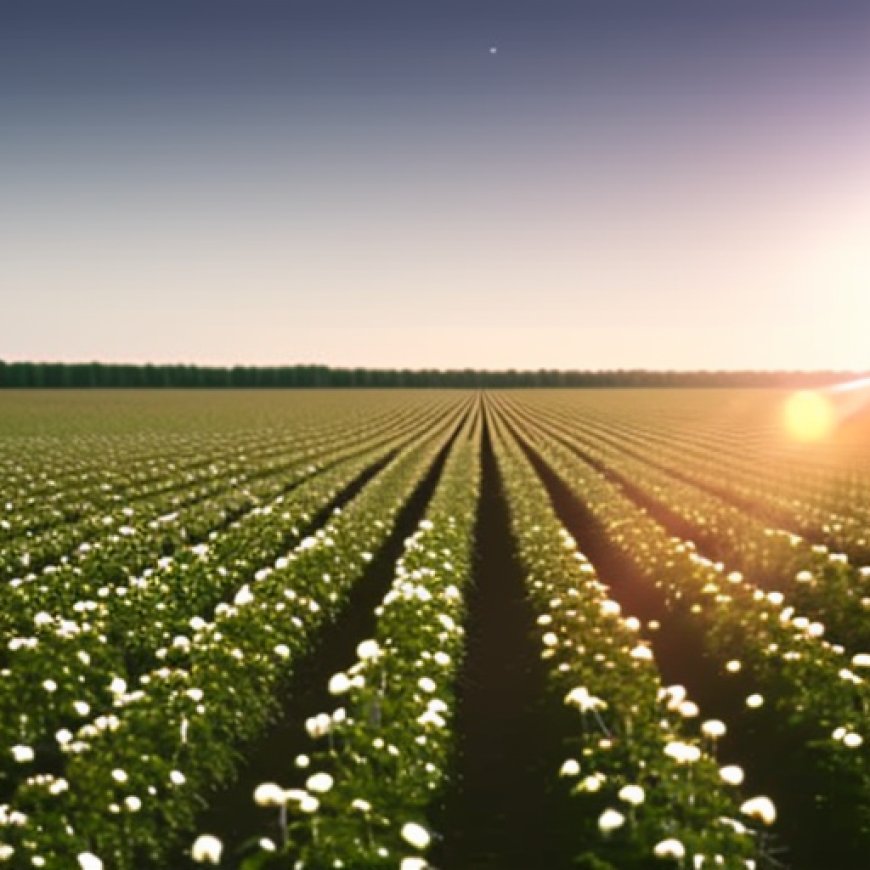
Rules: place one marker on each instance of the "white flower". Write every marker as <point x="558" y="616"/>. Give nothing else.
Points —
<point x="733" y="666"/>
<point x="760" y="808"/>
<point x="14" y="818"/>
<point x="319" y="783"/>
<point x="49" y="685"/>
<point x="82" y="707"/>
<point x="413" y="864"/>
<point x="243" y="596"/>
<point x="592" y="783"/>
<point x="852" y="740"/>
<point x="688" y="709"/>
<point x="570" y="767"/>
<point x="427" y="684"/>
<point x="816" y="629"/>
<point x="642" y="653"/>
<point x="309" y="804"/>
<point x="361" y="805"/>
<point x="119" y="775"/>
<point x="755" y="701"/>
<point x="89" y="861"/>
<point x="176" y="777"/>
<point x="133" y="803"/>
<point x="22" y="754"/>
<point x="732" y="774"/>
<point x="207" y="849"/>
<point x="118" y="686"/>
<point x="339" y="684"/>
<point x="675" y="695"/>
<point x="632" y="794"/>
<point x="430" y="717"/>
<point x="268" y="794"/>
<point x="319" y="725"/>
<point x="861" y="660"/>
<point x="580" y="698"/>
<point x="447" y="622"/>
<point x="714" y="728"/>
<point x="610" y="608"/>
<point x="670" y="848"/>
<point x="416" y="835"/>
<point x="550" y="639"/>
<point x="610" y="820"/>
<point x="368" y="649"/>
<point x="682" y="753"/>
<point x="63" y="736"/>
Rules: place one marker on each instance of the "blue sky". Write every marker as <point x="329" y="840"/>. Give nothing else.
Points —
<point x="667" y="184"/>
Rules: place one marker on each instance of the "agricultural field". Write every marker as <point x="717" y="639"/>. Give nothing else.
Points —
<point x="448" y="629"/>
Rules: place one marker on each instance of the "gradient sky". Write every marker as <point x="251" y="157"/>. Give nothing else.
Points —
<point x="622" y="184"/>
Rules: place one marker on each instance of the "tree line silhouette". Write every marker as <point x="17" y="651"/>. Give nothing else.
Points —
<point x="48" y="375"/>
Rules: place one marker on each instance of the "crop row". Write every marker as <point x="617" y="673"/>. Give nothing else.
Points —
<point x="821" y="585"/>
<point x="378" y="761"/>
<point x="133" y="780"/>
<point x="80" y="495"/>
<point x="816" y="502"/>
<point x="167" y="519"/>
<point x="86" y="497"/>
<point x="146" y="619"/>
<point x="811" y="685"/>
<point x="643" y="775"/>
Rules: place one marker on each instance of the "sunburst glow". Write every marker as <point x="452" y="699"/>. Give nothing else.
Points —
<point x="809" y="416"/>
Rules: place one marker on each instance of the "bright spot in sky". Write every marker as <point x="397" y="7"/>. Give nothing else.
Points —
<point x="809" y="416"/>
<point x="493" y="49"/>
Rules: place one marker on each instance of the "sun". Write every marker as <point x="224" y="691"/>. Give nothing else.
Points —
<point x="809" y="416"/>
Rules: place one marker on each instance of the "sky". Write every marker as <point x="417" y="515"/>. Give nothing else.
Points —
<point x="579" y="184"/>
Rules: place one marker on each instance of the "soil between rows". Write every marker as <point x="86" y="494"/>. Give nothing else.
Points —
<point x="505" y="809"/>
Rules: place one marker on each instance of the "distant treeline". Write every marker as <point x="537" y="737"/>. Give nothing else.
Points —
<point x="30" y="375"/>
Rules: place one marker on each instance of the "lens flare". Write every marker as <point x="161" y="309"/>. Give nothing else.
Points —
<point x="809" y="416"/>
